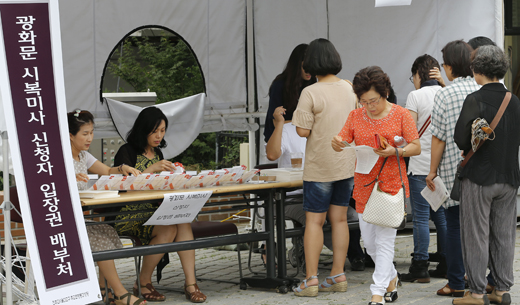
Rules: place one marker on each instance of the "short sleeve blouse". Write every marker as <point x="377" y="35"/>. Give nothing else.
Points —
<point x="323" y="108"/>
<point x="361" y="129"/>
<point x="86" y="160"/>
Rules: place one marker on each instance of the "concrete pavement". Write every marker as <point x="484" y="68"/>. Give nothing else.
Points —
<point x="222" y="265"/>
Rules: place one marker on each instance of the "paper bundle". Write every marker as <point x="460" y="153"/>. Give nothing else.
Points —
<point x="175" y="180"/>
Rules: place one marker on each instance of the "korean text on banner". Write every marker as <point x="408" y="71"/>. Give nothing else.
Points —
<point x="60" y="252"/>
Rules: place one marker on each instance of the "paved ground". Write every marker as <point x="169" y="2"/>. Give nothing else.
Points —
<point x="222" y="265"/>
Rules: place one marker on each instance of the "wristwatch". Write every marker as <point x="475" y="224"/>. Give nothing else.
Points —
<point x="404" y="152"/>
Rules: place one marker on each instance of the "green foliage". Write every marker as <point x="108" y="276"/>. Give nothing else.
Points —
<point x="164" y="65"/>
<point x="201" y="153"/>
<point x="231" y="148"/>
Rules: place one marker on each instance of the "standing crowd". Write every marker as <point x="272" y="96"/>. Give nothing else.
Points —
<point x="313" y="112"/>
<point x="440" y="125"/>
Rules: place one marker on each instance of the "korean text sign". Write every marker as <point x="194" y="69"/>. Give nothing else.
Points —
<point x="28" y="85"/>
<point x="179" y="208"/>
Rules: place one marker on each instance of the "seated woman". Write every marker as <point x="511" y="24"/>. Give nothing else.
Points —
<point x="143" y="151"/>
<point x="101" y="236"/>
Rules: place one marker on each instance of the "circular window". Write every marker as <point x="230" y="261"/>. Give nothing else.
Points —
<point x="153" y="59"/>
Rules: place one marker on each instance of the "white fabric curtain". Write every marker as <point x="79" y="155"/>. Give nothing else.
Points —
<point x="185" y="120"/>
<point x="390" y="37"/>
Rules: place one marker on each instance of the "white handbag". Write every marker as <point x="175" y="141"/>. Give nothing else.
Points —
<point x="384" y="209"/>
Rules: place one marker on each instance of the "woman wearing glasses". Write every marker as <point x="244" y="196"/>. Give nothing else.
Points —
<point x="378" y="116"/>
<point x="327" y="177"/>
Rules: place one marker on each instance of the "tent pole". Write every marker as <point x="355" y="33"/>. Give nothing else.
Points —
<point x="251" y="81"/>
<point x="251" y="89"/>
<point x="6" y="207"/>
<point x="499" y="23"/>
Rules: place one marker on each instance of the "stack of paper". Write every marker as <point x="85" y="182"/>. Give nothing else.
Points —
<point x="174" y="180"/>
<point x="437" y="197"/>
<point x="283" y="174"/>
<point x="98" y="194"/>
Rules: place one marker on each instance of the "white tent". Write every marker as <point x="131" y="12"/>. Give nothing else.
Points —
<point x="242" y="45"/>
<point x="236" y="82"/>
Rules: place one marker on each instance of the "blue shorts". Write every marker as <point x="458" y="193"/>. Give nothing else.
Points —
<point x="318" y="196"/>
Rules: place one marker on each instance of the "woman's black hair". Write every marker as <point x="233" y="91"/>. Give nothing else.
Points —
<point x="456" y="54"/>
<point x="292" y="78"/>
<point x="480" y="41"/>
<point x="322" y="58"/>
<point x="146" y="123"/>
<point x="374" y="77"/>
<point x="78" y="118"/>
<point x="422" y="65"/>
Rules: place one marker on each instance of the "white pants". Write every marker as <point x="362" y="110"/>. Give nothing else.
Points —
<point x="379" y="242"/>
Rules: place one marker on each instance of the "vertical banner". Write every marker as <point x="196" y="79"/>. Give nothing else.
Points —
<point x="32" y="88"/>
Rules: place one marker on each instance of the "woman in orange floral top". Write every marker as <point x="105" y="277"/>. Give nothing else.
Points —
<point x="378" y="116"/>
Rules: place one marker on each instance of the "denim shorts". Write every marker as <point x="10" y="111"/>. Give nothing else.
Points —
<point x="318" y="196"/>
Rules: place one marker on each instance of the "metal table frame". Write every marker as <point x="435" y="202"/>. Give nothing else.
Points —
<point x="273" y="195"/>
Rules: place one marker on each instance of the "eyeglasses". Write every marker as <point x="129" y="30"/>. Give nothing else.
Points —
<point x="411" y="79"/>
<point x="373" y="102"/>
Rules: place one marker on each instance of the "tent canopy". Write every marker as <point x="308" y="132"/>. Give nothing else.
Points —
<point x="216" y="30"/>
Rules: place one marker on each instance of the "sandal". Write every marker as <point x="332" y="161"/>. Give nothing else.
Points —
<point x="152" y="296"/>
<point x="335" y="286"/>
<point x="391" y="296"/>
<point x="104" y="292"/>
<point x="128" y="296"/>
<point x="450" y="292"/>
<point x="382" y="302"/>
<point x="308" y="291"/>
<point x="196" y="296"/>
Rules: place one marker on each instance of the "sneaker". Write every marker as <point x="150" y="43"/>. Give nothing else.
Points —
<point x="357" y="264"/>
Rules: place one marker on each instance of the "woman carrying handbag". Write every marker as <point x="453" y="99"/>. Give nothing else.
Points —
<point x="488" y="131"/>
<point x="386" y="120"/>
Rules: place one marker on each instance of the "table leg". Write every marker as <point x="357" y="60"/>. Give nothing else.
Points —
<point x="280" y="237"/>
<point x="270" y="281"/>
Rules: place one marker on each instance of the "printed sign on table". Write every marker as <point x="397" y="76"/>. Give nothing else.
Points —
<point x="32" y="88"/>
<point x="179" y="208"/>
